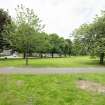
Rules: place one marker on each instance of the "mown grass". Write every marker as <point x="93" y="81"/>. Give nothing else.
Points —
<point x="81" y="61"/>
<point x="49" y="90"/>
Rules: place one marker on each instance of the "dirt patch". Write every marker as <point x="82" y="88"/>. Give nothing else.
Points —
<point x="91" y="86"/>
<point x="20" y="83"/>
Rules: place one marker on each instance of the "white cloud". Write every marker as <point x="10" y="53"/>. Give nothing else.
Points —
<point x="60" y="16"/>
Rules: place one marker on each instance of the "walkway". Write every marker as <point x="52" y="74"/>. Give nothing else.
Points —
<point x="13" y="70"/>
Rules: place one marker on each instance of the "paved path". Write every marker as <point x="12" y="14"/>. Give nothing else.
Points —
<point x="13" y="70"/>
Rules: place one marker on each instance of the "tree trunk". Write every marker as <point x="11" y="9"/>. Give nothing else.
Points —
<point x="27" y="53"/>
<point x="52" y="54"/>
<point x="41" y="55"/>
<point x="65" y="54"/>
<point x="24" y="55"/>
<point x="60" y="55"/>
<point x="69" y="54"/>
<point x="27" y="59"/>
<point x="30" y="54"/>
<point x="102" y="58"/>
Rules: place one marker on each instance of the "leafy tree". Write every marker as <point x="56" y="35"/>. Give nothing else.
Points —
<point x="93" y="36"/>
<point x="65" y="46"/>
<point x="27" y="26"/>
<point x="68" y="46"/>
<point x="42" y="44"/>
<point x="98" y="36"/>
<point x="80" y="44"/>
<point x="54" y="43"/>
<point x="61" y="46"/>
<point x="5" y="19"/>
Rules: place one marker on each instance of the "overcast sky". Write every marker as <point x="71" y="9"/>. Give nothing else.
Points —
<point x="60" y="16"/>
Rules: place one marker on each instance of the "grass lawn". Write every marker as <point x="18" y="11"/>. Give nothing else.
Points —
<point x="81" y="61"/>
<point x="49" y="90"/>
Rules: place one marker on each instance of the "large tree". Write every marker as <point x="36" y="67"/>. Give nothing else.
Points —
<point x="54" y="42"/>
<point x="5" y="19"/>
<point x="93" y="36"/>
<point x="42" y="44"/>
<point x="80" y="43"/>
<point x="28" y="25"/>
<point x="68" y="47"/>
<point x="98" y="36"/>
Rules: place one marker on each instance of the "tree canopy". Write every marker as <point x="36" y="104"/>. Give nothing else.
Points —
<point x="5" y="19"/>
<point x="91" y="37"/>
<point x="25" y="34"/>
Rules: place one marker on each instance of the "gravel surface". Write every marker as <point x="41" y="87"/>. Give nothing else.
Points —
<point x="14" y="70"/>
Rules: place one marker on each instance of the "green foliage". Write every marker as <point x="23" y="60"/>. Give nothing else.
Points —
<point x="5" y="19"/>
<point x="54" y="42"/>
<point x="66" y="46"/>
<point x="42" y="43"/>
<point x="24" y="35"/>
<point x="28" y="16"/>
<point x="60" y="45"/>
<point x="92" y="37"/>
<point x="81" y="43"/>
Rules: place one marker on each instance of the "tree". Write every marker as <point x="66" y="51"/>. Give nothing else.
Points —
<point x="61" y="46"/>
<point x="68" y="46"/>
<point x="42" y="44"/>
<point x="5" y="19"/>
<point x="54" y="43"/>
<point x="80" y="43"/>
<point x="27" y="26"/>
<point x="93" y="35"/>
<point x="98" y="34"/>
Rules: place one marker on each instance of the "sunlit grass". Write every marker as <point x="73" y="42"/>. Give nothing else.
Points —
<point x="81" y="61"/>
<point x="49" y="90"/>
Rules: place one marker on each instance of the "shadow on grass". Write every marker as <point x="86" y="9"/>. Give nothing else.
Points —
<point x="94" y="62"/>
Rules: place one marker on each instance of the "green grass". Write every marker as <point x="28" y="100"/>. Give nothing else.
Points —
<point x="49" y="90"/>
<point x="81" y="61"/>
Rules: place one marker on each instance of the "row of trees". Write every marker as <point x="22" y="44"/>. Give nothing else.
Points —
<point x="89" y="39"/>
<point x="25" y="34"/>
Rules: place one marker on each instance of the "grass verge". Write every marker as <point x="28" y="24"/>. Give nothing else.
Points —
<point x="49" y="90"/>
<point x="81" y="61"/>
